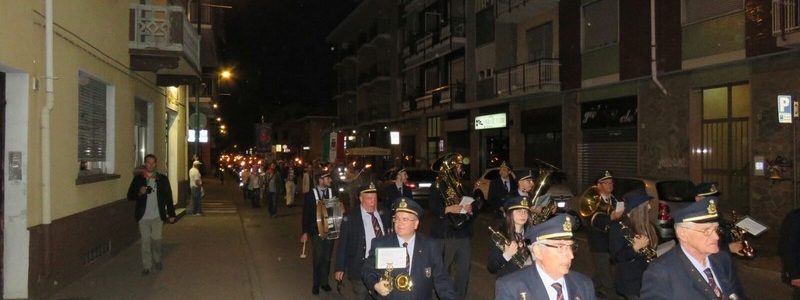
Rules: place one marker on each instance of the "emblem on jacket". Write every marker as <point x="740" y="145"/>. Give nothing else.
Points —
<point x="428" y="272"/>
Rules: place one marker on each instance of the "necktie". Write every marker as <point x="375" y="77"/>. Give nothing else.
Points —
<point x="376" y="226"/>
<point x="325" y="193"/>
<point x="713" y="283"/>
<point x="400" y="189"/>
<point x="508" y="188"/>
<point x="559" y="292"/>
<point x="408" y="258"/>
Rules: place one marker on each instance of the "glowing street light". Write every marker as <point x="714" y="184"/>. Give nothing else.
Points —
<point x="219" y="119"/>
<point x="226" y="74"/>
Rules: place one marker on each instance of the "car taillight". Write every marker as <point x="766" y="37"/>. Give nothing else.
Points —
<point x="411" y="185"/>
<point x="663" y="212"/>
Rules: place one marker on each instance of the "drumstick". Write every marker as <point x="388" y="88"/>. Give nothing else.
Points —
<point x="303" y="253"/>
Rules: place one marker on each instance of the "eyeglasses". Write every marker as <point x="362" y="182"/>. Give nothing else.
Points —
<point x="404" y="220"/>
<point x="706" y="232"/>
<point x="562" y="248"/>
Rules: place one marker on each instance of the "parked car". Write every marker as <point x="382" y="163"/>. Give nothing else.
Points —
<point x="670" y="194"/>
<point x="559" y="192"/>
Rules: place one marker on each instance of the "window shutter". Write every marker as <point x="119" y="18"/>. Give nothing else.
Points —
<point x="91" y="119"/>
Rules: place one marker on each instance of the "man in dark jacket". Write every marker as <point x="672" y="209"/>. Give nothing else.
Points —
<point x="790" y="251"/>
<point x="322" y="248"/>
<point x="500" y="188"/>
<point x="397" y="189"/>
<point x="153" y="197"/>
<point x="359" y="228"/>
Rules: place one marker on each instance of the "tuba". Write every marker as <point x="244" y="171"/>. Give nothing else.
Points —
<point x="449" y="185"/>
<point x="540" y="213"/>
<point x="738" y="234"/>
<point x="500" y="240"/>
<point x="590" y="202"/>
<point x="402" y="281"/>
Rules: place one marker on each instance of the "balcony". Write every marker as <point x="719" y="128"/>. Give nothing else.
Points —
<point x="515" y="11"/>
<point x="436" y="43"/>
<point x="162" y="40"/>
<point x="377" y="72"/>
<point x="438" y="97"/>
<point x="786" y="22"/>
<point x="532" y="77"/>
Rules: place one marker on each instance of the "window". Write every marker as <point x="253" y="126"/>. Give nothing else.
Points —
<point x="700" y="10"/>
<point x="540" y="41"/>
<point x="484" y="26"/>
<point x="600" y="24"/>
<point x="143" y="130"/>
<point x="95" y="109"/>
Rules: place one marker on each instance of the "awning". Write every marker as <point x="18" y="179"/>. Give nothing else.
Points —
<point x="368" y="151"/>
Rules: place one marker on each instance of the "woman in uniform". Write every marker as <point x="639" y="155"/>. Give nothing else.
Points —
<point x="630" y="239"/>
<point x="505" y="261"/>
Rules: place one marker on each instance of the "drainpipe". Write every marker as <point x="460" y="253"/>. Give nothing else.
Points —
<point x="48" y="107"/>
<point x="653" y="64"/>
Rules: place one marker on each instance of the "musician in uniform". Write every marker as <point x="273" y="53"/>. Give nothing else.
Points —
<point x="549" y="277"/>
<point x="629" y="239"/>
<point x="598" y="234"/>
<point x="321" y="247"/>
<point x="695" y="268"/>
<point x="500" y="188"/>
<point x="452" y="224"/>
<point x="423" y="260"/>
<point x="513" y="230"/>
<point x="726" y="240"/>
<point x="358" y="229"/>
<point x="397" y="189"/>
<point x="524" y="183"/>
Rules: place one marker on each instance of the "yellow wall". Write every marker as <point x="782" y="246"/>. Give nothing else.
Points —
<point x="90" y="36"/>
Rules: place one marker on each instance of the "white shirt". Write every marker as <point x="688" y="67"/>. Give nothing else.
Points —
<point x="151" y="209"/>
<point x="548" y="284"/>
<point x="409" y="249"/>
<point x="700" y="267"/>
<point x="506" y="183"/>
<point x="369" y="232"/>
<point x="194" y="176"/>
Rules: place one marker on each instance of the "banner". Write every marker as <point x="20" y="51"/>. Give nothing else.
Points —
<point x="263" y="136"/>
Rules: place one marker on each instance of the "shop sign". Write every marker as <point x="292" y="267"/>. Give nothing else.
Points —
<point x="611" y="113"/>
<point x="490" y="121"/>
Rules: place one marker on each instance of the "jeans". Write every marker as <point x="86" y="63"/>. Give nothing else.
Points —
<point x="272" y="206"/>
<point x="322" y="250"/>
<point x="197" y="208"/>
<point x="255" y="200"/>
<point x="457" y="261"/>
<point x="150" y="229"/>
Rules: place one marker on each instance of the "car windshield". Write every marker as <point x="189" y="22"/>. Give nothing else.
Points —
<point x="675" y="191"/>
<point x="421" y="175"/>
<point x="624" y="185"/>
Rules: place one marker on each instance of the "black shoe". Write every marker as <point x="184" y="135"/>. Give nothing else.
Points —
<point x="159" y="266"/>
<point x="145" y="272"/>
<point x="326" y="288"/>
<point x="315" y="290"/>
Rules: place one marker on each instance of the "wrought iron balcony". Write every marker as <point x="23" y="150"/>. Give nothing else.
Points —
<point x="436" y="43"/>
<point x="162" y="40"/>
<point x="541" y="75"/>
<point x="786" y="22"/>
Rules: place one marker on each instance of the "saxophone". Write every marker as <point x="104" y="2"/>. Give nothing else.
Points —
<point x="648" y="252"/>
<point x="500" y="241"/>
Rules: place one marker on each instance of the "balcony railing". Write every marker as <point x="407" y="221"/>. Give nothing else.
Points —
<point x="159" y="27"/>
<point x="503" y="6"/>
<point x="538" y="75"/>
<point x="785" y="16"/>
<point x="433" y="98"/>
<point x="435" y="43"/>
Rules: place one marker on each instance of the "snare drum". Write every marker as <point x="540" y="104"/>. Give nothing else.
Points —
<point x="329" y="218"/>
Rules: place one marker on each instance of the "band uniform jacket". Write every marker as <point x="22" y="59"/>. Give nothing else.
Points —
<point x="427" y="270"/>
<point x="527" y="280"/>
<point x="598" y="228"/>
<point x="390" y="193"/>
<point x="164" y="196"/>
<point x="352" y="245"/>
<point x="673" y="276"/>
<point x="310" y="210"/>
<point x="498" y="193"/>
<point x="630" y="265"/>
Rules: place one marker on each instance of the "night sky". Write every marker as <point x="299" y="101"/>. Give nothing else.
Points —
<point x="282" y="64"/>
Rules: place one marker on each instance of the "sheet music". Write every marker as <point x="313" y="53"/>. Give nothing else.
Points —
<point x="465" y="200"/>
<point x="396" y="256"/>
<point x="751" y="226"/>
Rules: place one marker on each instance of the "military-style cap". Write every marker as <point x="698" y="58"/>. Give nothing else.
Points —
<point x="324" y="175"/>
<point x="705" y="189"/>
<point x="558" y="227"/>
<point x="368" y="189"/>
<point x="405" y="204"/>
<point x="703" y="211"/>
<point x="635" y="198"/>
<point x="518" y="202"/>
<point x="606" y="174"/>
<point x="395" y="172"/>
<point x="504" y="164"/>
<point x="525" y="175"/>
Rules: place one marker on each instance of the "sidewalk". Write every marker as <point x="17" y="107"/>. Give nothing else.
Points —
<point x="204" y="258"/>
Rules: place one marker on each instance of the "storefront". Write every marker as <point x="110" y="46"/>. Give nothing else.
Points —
<point x="609" y="139"/>
<point x="541" y="129"/>
<point x="494" y="139"/>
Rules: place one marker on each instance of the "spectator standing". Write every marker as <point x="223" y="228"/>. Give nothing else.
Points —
<point x="305" y="183"/>
<point x="253" y="186"/>
<point x="272" y="189"/>
<point x="290" y="185"/>
<point x="196" y="185"/>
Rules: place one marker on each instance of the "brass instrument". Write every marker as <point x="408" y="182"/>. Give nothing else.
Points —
<point x="449" y="184"/>
<point x="590" y="202"/>
<point x="540" y="213"/>
<point x="402" y="281"/>
<point x="648" y="252"/>
<point x="738" y="234"/>
<point x="500" y="241"/>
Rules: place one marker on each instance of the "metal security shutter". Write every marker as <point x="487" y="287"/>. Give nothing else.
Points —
<point x="91" y="119"/>
<point x="618" y="157"/>
<point x="698" y="10"/>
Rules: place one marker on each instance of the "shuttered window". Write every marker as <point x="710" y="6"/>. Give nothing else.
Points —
<point x="92" y="121"/>
<point x="699" y="10"/>
<point x="600" y="24"/>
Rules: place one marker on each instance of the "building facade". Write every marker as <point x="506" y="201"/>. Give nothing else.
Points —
<point x="685" y="89"/>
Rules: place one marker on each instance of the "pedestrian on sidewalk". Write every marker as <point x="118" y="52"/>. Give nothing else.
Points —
<point x="271" y="179"/>
<point x="790" y="251"/>
<point x="243" y="178"/>
<point x="253" y="187"/>
<point x="290" y="185"/>
<point x="305" y="183"/>
<point x="196" y="185"/>
<point x="153" y="196"/>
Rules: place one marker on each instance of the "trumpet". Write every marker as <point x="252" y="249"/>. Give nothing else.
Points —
<point x="402" y="281"/>
<point x="648" y="252"/>
<point x="738" y="234"/>
<point x="500" y="241"/>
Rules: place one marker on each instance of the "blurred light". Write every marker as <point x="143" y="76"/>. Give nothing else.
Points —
<point x="306" y="148"/>
<point x="219" y="119"/>
<point x="226" y="74"/>
<point x="222" y="127"/>
<point x="215" y="105"/>
<point x="354" y="131"/>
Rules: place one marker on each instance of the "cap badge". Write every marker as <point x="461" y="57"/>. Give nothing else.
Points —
<point x="403" y="203"/>
<point x="607" y="174"/>
<point x="567" y="224"/>
<point x="371" y="185"/>
<point x="524" y="201"/>
<point x="712" y="207"/>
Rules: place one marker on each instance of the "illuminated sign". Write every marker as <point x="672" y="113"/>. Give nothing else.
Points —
<point x="490" y="121"/>
<point x="395" y="137"/>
